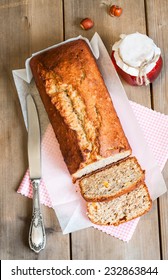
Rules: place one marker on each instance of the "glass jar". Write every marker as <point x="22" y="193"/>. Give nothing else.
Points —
<point x="137" y="59"/>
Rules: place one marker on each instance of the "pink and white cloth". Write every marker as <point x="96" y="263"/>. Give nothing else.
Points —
<point x="154" y="126"/>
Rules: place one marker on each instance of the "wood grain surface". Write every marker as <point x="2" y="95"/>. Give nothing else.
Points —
<point x="28" y="26"/>
<point x="157" y="23"/>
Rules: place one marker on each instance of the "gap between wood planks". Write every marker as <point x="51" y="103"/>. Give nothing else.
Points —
<point x="63" y="18"/>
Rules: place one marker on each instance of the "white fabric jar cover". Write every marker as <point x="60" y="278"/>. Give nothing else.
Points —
<point x="136" y="54"/>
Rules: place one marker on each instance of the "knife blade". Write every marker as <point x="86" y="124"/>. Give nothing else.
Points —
<point x="37" y="236"/>
<point x="34" y="151"/>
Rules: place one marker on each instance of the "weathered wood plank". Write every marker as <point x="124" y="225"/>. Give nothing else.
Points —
<point x="90" y="243"/>
<point x="26" y="26"/>
<point x="45" y="20"/>
<point x="163" y="205"/>
<point x="158" y="30"/>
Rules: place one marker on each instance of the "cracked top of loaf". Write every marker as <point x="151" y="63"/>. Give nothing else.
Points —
<point x="79" y="107"/>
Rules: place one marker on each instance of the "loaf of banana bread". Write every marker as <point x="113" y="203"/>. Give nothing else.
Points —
<point x="79" y="107"/>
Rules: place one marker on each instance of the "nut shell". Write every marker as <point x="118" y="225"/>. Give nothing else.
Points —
<point x="115" y="11"/>
<point x="86" y="23"/>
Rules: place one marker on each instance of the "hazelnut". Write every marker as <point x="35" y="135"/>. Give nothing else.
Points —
<point x="115" y="11"/>
<point x="86" y="23"/>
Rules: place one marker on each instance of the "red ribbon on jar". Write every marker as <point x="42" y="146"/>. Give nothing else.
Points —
<point x="137" y="59"/>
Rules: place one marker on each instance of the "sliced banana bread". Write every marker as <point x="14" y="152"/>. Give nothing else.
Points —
<point x="113" y="181"/>
<point x="121" y="209"/>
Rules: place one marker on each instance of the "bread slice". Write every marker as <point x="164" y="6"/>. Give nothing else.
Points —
<point x="121" y="209"/>
<point x="113" y="181"/>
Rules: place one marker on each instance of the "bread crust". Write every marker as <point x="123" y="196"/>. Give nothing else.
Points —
<point x="71" y="70"/>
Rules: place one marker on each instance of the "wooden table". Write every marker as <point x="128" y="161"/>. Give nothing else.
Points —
<point x="28" y="26"/>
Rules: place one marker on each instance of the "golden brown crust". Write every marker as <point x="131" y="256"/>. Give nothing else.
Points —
<point x="78" y="104"/>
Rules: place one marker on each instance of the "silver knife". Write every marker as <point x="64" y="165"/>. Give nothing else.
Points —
<point x="37" y="236"/>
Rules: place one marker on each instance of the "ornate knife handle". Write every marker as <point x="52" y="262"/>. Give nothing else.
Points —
<point x="37" y="236"/>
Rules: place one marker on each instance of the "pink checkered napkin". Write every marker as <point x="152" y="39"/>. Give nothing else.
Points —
<point x="25" y="189"/>
<point x="154" y="125"/>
